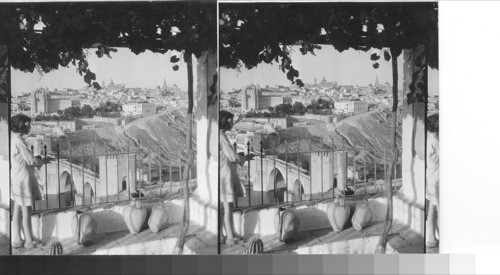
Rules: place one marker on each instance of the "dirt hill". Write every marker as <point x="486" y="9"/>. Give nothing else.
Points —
<point x="370" y="131"/>
<point x="162" y="134"/>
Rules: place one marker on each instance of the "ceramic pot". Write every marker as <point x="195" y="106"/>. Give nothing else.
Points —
<point x="286" y="224"/>
<point x="159" y="217"/>
<point x="134" y="215"/>
<point x="362" y="215"/>
<point x="338" y="214"/>
<point x="84" y="228"/>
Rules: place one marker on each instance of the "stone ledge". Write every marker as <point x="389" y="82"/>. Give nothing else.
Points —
<point x="312" y="216"/>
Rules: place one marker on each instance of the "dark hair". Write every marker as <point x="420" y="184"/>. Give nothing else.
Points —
<point x="20" y="123"/>
<point x="432" y="124"/>
<point x="225" y="119"/>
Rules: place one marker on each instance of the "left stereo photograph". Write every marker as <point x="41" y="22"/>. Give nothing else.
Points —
<point x="113" y="128"/>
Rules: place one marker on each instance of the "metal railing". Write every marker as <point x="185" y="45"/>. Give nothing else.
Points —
<point x="285" y="175"/>
<point x="83" y="177"/>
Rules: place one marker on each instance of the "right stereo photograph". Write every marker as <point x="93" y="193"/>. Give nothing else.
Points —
<point x="328" y="128"/>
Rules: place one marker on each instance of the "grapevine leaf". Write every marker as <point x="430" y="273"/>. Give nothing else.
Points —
<point x="387" y="56"/>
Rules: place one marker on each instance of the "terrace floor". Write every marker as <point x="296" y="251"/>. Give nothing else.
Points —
<point x="198" y="241"/>
<point x="4" y="245"/>
<point x="324" y="241"/>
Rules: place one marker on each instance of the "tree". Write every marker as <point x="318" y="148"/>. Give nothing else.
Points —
<point x="387" y="27"/>
<point x="284" y="109"/>
<point x="71" y="29"/>
<point x="87" y="111"/>
<point x="299" y="108"/>
<point x="73" y="112"/>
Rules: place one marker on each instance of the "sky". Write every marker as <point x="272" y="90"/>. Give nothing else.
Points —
<point x="347" y="68"/>
<point x="144" y="70"/>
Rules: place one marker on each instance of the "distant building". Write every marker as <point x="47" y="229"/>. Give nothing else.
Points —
<point x="38" y="142"/>
<point x="354" y="107"/>
<point x="266" y="101"/>
<point x="280" y="122"/>
<point x="327" y="84"/>
<point x="113" y="86"/>
<point x="253" y="98"/>
<point x="141" y="109"/>
<point x="42" y="102"/>
<point x="65" y="125"/>
<point x="301" y="124"/>
<point x="276" y="122"/>
<point x="249" y="98"/>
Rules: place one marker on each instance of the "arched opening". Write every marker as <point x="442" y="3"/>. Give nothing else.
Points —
<point x="88" y="193"/>
<point x="124" y="183"/>
<point x="66" y="182"/>
<point x="298" y="191"/>
<point x="277" y="185"/>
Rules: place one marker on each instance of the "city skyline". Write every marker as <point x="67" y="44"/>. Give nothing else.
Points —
<point x="347" y="68"/>
<point x="135" y="71"/>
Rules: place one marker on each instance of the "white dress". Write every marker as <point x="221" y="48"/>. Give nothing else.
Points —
<point x="24" y="186"/>
<point x="432" y="172"/>
<point x="229" y="180"/>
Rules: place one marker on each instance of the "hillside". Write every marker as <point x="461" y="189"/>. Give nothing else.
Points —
<point x="369" y="131"/>
<point x="162" y="134"/>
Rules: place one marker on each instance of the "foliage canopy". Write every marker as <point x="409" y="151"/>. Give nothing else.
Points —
<point x="41" y="36"/>
<point x="358" y="26"/>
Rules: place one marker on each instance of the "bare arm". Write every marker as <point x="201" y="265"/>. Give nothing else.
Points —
<point x="229" y="151"/>
<point x="27" y="154"/>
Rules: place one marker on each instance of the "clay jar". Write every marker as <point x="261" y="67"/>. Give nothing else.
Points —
<point x="84" y="228"/>
<point x="159" y="217"/>
<point x="134" y="215"/>
<point x="338" y="214"/>
<point x="286" y="224"/>
<point x="362" y="215"/>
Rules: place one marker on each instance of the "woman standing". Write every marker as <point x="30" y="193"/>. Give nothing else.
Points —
<point x="229" y="181"/>
<point x="432" y="193"/>
<point x="24" y="186"/>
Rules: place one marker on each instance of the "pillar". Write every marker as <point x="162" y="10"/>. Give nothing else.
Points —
<point x="413" y="128"/>
<point x="207" y="140"/>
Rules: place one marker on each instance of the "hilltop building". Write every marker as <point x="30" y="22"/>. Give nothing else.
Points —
<point x="113" y="86"/>
<point x="141" y="109"/>
<point x="42" y="102"/>
<point x="254" y="98"/>
<point x="354" y="107"/>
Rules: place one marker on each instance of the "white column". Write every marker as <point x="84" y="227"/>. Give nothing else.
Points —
<point x="207" y="130"/>
<point x="413" y="141"/>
